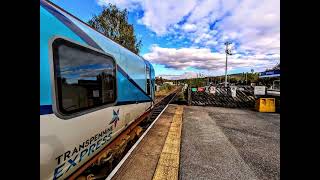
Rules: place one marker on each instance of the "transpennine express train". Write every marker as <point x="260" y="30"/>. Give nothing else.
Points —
<point x="91" y="89"/>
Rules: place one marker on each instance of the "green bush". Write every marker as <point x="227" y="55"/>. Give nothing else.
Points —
<point x="181" y="96"/>
<point x="197" y="82"/>
<point x="166" y="87"/>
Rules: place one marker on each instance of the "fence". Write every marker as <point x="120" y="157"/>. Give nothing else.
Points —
<point x="223" y="97"/>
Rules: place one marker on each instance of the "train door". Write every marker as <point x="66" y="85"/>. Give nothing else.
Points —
<point x="148" y="79"/>
<point x="148" y="82"/>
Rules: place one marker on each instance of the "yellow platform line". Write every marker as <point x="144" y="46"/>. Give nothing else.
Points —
<point x="168" y="164"/>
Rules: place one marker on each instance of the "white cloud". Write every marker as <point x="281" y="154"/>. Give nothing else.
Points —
<point x="211" y="43"/>
<point x="185" y="75"/>
<point x="130" y="5"/>
<point x="158" y="15"/>
<point x="204" y="58"/>
<point x="189" y="27"/>
<point x="253" y="24"/>
<point x="203" y="9"/>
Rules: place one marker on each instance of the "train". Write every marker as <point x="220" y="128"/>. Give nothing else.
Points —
<point x="91" y="90"/>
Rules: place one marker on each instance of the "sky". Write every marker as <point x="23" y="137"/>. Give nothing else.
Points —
<point x="182" y="38"/>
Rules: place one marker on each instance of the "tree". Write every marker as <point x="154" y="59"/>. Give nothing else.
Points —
<point x="159" y="81"/>
<point x="113" y="23"/>
<point x="196" y="82"/>
<point x="233" y="80"/>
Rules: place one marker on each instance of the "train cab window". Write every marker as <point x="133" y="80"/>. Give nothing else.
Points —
<point x="148" y="86"/>
<point x="84" y="78"/>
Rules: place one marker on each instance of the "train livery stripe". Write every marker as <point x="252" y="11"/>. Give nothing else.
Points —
<point x="131" y="80"/>
<point x="46" y="109"/>
<point x="70" y="24"/>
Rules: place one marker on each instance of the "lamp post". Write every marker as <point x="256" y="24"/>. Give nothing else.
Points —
<point x="228" y="52"/>
<point x="246" y="77"/>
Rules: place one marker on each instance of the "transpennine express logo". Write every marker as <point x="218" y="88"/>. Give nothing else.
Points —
<point x="115" y="117"/>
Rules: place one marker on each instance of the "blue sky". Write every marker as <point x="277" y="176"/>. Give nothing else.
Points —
<point x="184" y="37"/>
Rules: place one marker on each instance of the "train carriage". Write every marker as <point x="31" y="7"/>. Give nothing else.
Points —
<point x="91" y="89"/>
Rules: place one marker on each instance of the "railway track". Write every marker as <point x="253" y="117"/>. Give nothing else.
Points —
<point x="106" y="163"/>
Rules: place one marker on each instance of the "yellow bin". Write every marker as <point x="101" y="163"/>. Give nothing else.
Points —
<point x="266" y="105"/>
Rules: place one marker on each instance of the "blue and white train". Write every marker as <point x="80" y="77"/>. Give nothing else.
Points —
<point x="91" y="89"/>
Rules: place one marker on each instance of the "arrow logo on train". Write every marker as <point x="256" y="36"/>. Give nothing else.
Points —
<point x="115" y="117"/>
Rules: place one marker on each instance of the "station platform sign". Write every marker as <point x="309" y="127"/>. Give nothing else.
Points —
<point x="275" y="73"/>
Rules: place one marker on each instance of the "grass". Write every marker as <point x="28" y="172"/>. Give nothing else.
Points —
<point x="165" y="89"/>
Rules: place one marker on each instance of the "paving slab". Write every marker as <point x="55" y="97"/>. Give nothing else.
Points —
<point x="168" y="164"/>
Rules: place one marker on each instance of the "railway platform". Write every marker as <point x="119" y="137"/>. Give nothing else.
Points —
<point x="195" y="142"/>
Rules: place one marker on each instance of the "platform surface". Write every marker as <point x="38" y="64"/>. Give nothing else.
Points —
<point x="143" y="161"/>
<point x="225" y="143"/>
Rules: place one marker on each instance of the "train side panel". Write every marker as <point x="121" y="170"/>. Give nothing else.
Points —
<point x="66" y="144"/>
<point x="62" y="138"/>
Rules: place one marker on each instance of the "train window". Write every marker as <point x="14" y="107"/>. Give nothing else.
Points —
<point x="84" y="78"/>
<point x="148" y="80"/>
